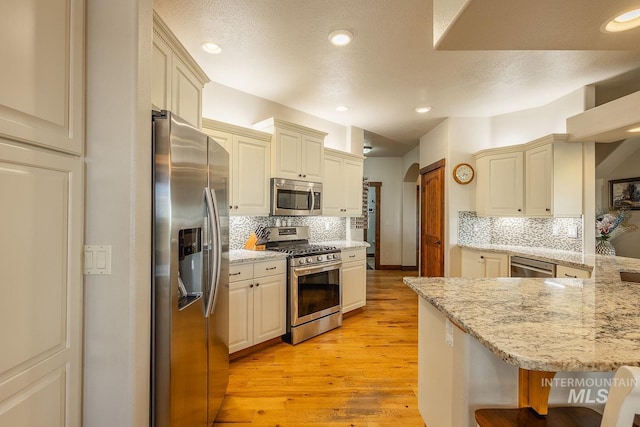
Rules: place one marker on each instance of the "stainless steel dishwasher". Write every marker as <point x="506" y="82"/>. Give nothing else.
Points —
<point x="527" y="267"/>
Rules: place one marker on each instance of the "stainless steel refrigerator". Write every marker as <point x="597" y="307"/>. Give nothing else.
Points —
<point x="190" y="294"/>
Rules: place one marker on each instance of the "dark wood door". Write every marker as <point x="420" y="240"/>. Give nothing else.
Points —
<point x="432" y="220"/>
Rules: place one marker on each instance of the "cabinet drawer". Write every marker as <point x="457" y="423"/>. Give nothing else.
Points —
<point x="564" y="271"/>
<point x="261" y="269"/>
<point x="240" y="272"/>
<point x="354" y="255"/>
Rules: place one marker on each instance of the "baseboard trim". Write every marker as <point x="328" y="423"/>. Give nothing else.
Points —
<point x="352" y="313"/>
<point x="389" y="267"/>
<point x="254" y="349"/>
<point x="409" y="268"/>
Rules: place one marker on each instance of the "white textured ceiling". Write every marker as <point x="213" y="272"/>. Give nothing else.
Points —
<point x="278" y="50"/>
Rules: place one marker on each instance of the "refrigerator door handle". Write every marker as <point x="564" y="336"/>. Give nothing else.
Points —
<point x="216" y="249"/>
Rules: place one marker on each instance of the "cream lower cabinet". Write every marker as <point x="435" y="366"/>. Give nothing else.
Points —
<point x="484" y="264"/>
<point x="42" y="287"/>
<point x="572" y="272"/>
<point x="342" y="184"/>
<point x="354" y="279"/>
<point x="257" y="303"/>
<point x="176" y="79"/>
<point x="249" y="166"/>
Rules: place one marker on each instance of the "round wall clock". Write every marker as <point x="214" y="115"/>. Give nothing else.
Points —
<point x="463" y="173"/>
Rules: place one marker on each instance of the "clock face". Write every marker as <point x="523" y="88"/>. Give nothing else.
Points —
<point x="463" y="173"/>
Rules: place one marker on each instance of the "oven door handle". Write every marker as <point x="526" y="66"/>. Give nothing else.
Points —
<point x="317" y="268"/>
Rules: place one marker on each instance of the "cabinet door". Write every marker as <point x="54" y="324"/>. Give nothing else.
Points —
<point x="250" y="177"/>
<point x="186" y="97"/>
<point x="287" y="155"/>
<point x="496" y="265"/>
<point x="333" y="188"/>
<point x="312" y="155"/>
<point x="42" y="86"/>
<point x="472" y="264"/>
<point x="240" y="315"/>
<point x="269" y="296"/>
<point x="223" y="138"/>
<point x="161" y="64"/>
<point x="354" y="280"/>
<point x="41" y="286"/>
<point x="353" y="187"/>
<point x="504" y="191"/>
<point x="539" y="181"/>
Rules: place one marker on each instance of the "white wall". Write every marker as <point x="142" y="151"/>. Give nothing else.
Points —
<point x="628" y="244"/>
<point x="523" y="126"/>
<point x="229" y="105"/>
<point x="410" y="205"/>
<point x="388" y="170"/>
<point x="118" y="212"/>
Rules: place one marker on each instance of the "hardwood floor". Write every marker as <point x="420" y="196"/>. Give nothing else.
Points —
<point x="362" y="374"/>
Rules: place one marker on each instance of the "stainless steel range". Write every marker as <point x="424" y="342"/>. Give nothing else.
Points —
<point x="314" y="281"/>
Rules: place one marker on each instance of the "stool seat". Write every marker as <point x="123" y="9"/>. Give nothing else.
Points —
<point x="569" y="416"/>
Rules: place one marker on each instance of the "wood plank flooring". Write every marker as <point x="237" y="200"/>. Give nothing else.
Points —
<point x="363" y="374"/>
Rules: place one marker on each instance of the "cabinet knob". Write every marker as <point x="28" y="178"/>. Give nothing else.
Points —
<point x="304" y="176"/>
<point x="257" y="284"/>
<point x="251" y="285"/>
<point x="235" y="207"/>
<point x="519" y="210"/>
<point x="548" y="210"/>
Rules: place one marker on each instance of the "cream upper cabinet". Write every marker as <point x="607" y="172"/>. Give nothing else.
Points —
<point x="499" y="190"/>
<point x="176" y="79"/>
<point x="537" y="179"/>
<point x="296" y="151"/>
<point x="42" y="85"/>
<point x="354" y="279"/>
<point x="249" y="166"/>
<point x="342" y="184"/>
<point x="484" y="264"/>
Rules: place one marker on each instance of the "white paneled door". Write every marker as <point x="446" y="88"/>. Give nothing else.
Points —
<point x="41" y="287"/>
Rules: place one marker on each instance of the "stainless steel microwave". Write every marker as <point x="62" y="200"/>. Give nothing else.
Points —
<point x="291" y="197"/>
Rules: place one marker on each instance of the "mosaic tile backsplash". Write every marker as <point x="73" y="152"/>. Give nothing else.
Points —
<point x="321" y="228"/>
<point x="549" y="233"/>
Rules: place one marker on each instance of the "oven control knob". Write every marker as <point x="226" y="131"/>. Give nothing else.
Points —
<point x="301" y="261"/>
<point x="329" y="256"/>
<point x="319" y="257"/>
<point x="309" y="260"/>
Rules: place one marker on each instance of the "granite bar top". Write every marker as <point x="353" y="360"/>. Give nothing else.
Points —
<point x="547" y="324"/>
<point x="238" y="256"/>
<point x="569" y="258"/>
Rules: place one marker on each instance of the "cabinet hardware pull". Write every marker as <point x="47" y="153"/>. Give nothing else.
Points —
<point x="257" y="284"/>
<point x="352" y="256"/>
<point x="251" y="285"/>
<point x="568" y="275"/>
<point x="271" y="268"/>
<point x="519" y="210"/>
<point x="235" y="274"/>
<point x="235" y="207"/>
<point x="548" y="210"/>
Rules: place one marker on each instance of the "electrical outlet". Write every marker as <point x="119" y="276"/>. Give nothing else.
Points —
<point x="572" y="231"/>
<point x="555" y="230"/>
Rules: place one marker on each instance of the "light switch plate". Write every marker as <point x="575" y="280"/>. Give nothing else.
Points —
<point x="97" y="259"/>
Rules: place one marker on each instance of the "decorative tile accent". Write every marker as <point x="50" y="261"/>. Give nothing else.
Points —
<point x="321" y="228"/>
<point x="532" y="232"/>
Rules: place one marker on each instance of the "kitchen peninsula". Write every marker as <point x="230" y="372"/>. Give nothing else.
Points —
<point x="477" y="337"/>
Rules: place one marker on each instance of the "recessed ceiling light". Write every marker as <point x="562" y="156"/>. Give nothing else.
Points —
<point x="342" y="108"/>
<point x="211" y="47"/>
<point x="634" y="130"/>
<point x="423" y="110"/>
<point x="623" y="22"/>
<point x="340" y="37"/>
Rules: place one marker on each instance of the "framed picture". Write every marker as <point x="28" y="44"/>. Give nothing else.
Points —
<point x="625" y="193"/>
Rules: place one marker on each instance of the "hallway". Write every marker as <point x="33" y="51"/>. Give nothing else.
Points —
<point x="363" y="374"/>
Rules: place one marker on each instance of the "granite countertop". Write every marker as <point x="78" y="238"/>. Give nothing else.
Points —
<point x="238" y="256"/>
<point x="569" y="258"/>
<point x="547" y="324"/>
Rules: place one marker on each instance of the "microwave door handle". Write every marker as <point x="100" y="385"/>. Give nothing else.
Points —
<point x="313" y="199"/>
<point x="216" y="249"/>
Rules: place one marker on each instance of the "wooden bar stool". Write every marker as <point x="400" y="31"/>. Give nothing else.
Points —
<point x="623" y="403"/>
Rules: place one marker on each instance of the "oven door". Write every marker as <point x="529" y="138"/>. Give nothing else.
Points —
<point x="314" y="292"/>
